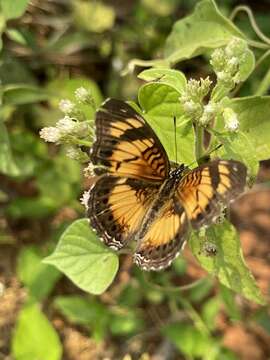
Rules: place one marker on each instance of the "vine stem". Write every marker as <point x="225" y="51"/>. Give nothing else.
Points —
<point x="173" y="288"/>
<point x="252" y="20"/>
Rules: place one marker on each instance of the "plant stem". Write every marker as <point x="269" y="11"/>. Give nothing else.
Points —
<point x="199" y="149"/>
<point x="194" y="315"/>
<point x="82" y="142"/>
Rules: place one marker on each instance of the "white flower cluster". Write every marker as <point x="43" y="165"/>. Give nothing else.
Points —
<point x="192" y="99"/>
<point x="64" y="127"/>
<point x="72" y="125"/>
<point x="226" y="62"/>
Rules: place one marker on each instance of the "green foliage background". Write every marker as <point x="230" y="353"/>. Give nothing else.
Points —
<point x="50" y="48"/>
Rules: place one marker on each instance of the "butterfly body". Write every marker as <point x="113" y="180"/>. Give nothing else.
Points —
<point x="136" y="195"/>
<point x="165" y="193"/>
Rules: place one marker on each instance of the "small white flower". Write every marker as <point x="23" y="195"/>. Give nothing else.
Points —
<point x="82" y="94"/>
<point x="233" y="61"/>
<point x="189" y="106"/>
<point x="85" y="199"/>
<point x="221" y="75"/>
<point x="209" y="108"/>
<point x="230" y="119"/>
<point x="50" y="134"/>
<point x="89" y="170"/>
<point x="66" y="125"/>
<point x="66" y="106"/>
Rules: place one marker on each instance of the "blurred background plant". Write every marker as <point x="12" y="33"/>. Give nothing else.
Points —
<point x="49" y="49"/>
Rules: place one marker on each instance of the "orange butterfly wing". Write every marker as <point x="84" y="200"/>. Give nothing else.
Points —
<point x="164" y="238"/>
<point x="204" y="190"/>
<point x="126" y="145"/>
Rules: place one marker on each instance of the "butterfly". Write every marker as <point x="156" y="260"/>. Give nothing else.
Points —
<point x="137" y="195"/>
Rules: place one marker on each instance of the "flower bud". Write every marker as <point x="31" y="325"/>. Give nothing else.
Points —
<point x="66" y="106"/>
<point x="50" y="134"/>
<point x="66" y="125"/>
<point x="230" y="120"/>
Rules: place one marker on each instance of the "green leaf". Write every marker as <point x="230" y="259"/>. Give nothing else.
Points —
<point x="79" y="309"/>
<point x="210" y="311"/>
<point x="238" y="146"/>
<point x="264" y="84"/>
<point x="13" y="9"/>
<point x="161" y="104"/>
<point x="14" y="71"/>
<point x="28" y="151"/>
<point x="82" y="257"/>
<point x="93" y="16"/>
<point x="126" y="323"/>
<point x="40" y="278"/>
<point x="34" y="337"/>
<point x="87" y="312"/>
<point x="160" y="7"/>
<point x="254" y="117"/>
<point x="19" y="94"/>
<point x="205" y="29"/>
<point x="189" y="340"/>
<point x="36" y="208"/>
<point x="228" y="264"/>
<point x="230" y="305"/>
<point x="170" y="77"/>
<point x="16" y="36"/>
<point x="52" y="179"/>
<point x="247" y="66"/>
<point x="7" y="163"/>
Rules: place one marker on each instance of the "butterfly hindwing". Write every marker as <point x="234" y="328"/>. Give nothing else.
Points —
<point x="204" y="190"/>
<point x="164" y="238"/>
<point x="116" y="207"/>
<point x="126" y="145"/>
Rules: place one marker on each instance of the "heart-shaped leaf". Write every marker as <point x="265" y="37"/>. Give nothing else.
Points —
<point x="83" y="258"/>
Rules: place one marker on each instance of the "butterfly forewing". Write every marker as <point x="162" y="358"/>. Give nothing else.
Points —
<point x="126" y="145"/>
<point x="204" y="190"/>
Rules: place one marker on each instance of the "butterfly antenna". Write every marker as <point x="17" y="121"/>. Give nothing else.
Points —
<point x="175" y="142"/>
